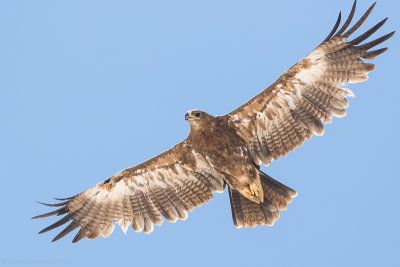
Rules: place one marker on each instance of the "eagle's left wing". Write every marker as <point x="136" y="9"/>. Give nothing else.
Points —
<point x="171" y="183"/>
<point x="289" y="111"/>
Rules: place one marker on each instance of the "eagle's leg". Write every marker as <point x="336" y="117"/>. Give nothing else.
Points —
<point x="254" y="190"/>
<point x="247" y="185"/>
<point x="249" y="213"/>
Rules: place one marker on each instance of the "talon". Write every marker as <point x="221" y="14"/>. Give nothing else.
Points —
<point x="254" y="190"/>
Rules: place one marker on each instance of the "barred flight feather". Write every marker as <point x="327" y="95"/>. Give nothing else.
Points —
<point x="129" y="198"/>
<point x="310" y="92"/>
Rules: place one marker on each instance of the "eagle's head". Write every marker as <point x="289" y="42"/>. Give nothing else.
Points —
<point x="195" y="115"/>
<point x="200" y="120"/>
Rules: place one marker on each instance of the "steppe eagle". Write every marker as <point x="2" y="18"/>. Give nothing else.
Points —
<point x="228" y="149"/>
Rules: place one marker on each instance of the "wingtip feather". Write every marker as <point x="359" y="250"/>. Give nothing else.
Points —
<point x="359" y="22"/>
<point x="373" y="54"/>
<point x="349" y="19"/>
<point x="334" y="27"/>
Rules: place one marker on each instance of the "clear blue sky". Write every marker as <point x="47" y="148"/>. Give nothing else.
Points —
<point x="89" y="88"/>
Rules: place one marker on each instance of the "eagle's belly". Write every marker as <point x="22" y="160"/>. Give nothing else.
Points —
<point x="235" y="164"/>
<point x="228" y="159"/>
<point x="226" y="152"/>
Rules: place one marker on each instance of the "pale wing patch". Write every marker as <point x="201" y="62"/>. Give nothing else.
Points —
<point x="169" y="185"/>
<point x="294" y="107"/>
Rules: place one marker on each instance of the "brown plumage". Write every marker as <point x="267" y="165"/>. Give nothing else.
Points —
<point x="229" y="149"/>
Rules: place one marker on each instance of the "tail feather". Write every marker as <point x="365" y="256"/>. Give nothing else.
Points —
<point x="248" y="213"/>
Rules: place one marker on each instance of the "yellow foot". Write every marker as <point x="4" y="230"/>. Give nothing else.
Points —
<point x="254" y="190"/>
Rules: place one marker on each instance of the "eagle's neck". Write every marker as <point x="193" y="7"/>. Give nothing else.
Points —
<point x="213" y="134"/>
<point x="203" y="128"/>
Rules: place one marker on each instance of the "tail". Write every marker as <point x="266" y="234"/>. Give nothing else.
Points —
<point x="248" y="213"/>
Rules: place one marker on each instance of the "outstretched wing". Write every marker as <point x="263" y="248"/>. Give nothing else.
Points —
<point x="289" y="111"/>
<point x="172" y="183"/>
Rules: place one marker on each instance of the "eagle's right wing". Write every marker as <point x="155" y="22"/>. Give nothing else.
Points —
<point x="171" y="183"/>
<point x="292" y="109"/>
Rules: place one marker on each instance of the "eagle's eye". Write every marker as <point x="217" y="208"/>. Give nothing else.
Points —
<point x="197" y="114"/>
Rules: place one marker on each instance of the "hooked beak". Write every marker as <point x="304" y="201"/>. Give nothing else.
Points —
<point x="190" y="116"/>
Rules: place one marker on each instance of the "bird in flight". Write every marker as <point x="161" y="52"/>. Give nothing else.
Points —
<point x="228" y="150"/>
